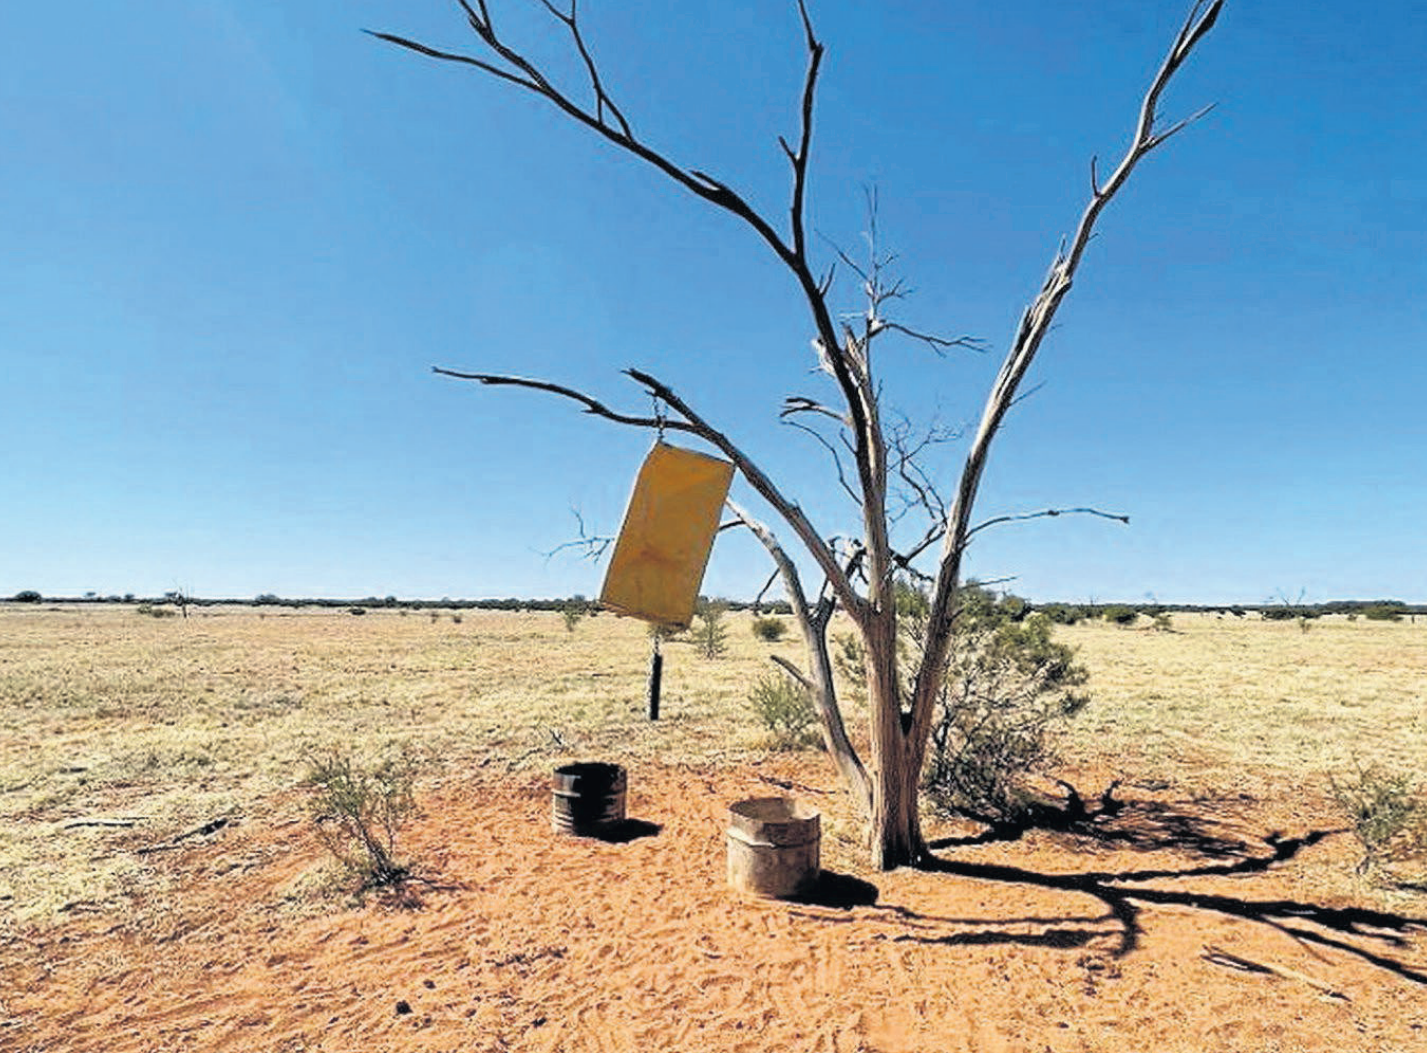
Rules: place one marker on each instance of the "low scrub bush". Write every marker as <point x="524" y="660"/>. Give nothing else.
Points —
<point x="572" y="614"/>
<point x="1119" y="614"/>
<point x="770" y="630"/>
<point x="785" y="708"/>
<point x="1009" y="686"/>
<point x="1063" y="613"/>
<point x="358" y="813"/>
<point x="1387" y="813"/>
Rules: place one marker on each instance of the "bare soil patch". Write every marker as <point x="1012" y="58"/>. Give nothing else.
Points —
<point x="1178" y="924"/>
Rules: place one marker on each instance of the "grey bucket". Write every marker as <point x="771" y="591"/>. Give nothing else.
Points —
<point x="774" y="847"/>
<point x="587" y="798"/>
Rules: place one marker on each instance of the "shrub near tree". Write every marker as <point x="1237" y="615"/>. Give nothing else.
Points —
<point x="785" y="708"/>
<point x="1008" y="686"/>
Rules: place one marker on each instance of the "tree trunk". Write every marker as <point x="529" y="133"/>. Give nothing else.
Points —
<point x="896" y="834"/>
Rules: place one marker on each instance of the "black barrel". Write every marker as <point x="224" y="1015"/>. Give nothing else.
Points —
<point x="587" y="798"/>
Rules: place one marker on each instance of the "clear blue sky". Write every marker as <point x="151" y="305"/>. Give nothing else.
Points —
<point x="237" y="233"/>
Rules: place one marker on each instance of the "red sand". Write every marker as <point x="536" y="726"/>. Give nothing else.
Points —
<point x="559" y="943"/>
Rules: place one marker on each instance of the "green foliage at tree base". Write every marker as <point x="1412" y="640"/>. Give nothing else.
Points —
<point x="786" y="710"/>
<point x="1009" y="685"/>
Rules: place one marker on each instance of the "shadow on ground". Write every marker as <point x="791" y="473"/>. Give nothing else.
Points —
<point x="1197" y="828"/>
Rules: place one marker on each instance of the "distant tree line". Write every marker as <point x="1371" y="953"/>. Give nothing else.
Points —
<point x="1015" y="607"/>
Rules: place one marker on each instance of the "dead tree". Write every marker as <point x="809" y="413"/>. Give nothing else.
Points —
<point x="858" y="576"/>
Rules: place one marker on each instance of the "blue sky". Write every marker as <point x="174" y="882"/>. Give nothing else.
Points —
<point x="237" y="235"/>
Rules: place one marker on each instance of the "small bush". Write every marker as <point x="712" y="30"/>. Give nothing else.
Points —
<point x="573" y="614"/>
<point x="770" y="630"/>
<point x="786" y="709"/>
<point x="1010" y="686"/>
<point x="155" y="612"/>
<point x="1119" y="614"/>
<point x="1388" y="813"/>
<point x="709" y="633"/>
<point x="357" y="610"/>
<point x="28" y="596"/>
<point x="358" y="813"/>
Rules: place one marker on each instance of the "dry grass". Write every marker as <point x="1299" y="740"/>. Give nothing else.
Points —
<point x="122" y="732"/>
<point x="1261" y="700"/>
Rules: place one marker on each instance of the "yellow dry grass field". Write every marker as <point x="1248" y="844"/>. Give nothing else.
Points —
<point x="163" y="885"/>
<point x="123" y="731"/>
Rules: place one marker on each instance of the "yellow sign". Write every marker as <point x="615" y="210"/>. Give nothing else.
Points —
<point x="663" y="547"/>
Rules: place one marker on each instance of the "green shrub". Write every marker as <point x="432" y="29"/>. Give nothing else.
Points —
<point x="1009" y="685"/>
<point x="770" y="630"/>
<point x="709" y="632"/>
<point x="573" y="613"/>
<point x="28" y="596"/>
<point x="1387" y="813"/>
<point x="358" y="813"/>
<point x="785" y="708"/>
<point x="1119" y="614"/>
<point x="155" y="612"/>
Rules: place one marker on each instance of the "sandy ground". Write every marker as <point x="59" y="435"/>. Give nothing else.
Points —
<point x="1175" y="925"/>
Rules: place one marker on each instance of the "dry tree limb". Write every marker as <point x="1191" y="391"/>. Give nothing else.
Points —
<point x="1218" y="956"/>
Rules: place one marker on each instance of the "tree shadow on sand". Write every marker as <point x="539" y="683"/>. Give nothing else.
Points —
<point x="1374" y="936"/>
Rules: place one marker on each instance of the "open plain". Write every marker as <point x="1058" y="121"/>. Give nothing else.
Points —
<point x="162" y="888"/>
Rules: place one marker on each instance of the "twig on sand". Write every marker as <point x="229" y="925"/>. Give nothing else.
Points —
<point x="124" y="822"/>
<point x="1219" y="956"/>
<point x="210" y="827"/>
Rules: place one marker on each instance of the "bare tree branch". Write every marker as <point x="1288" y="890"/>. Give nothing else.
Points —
<point x="813" y="624"/>
<point x="792" y="670"/>
<point x="595" y="545"/>
<point x="524" y="74"/>
<point x="822" y="440"/>
<point x="799" y="404"/>
<point x="1049" y="513"/>
<point x="591" y="405"/>
<point x="1035" y="323"/>
<point x="758" y="599"/>
<point x="939" y="344"/>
